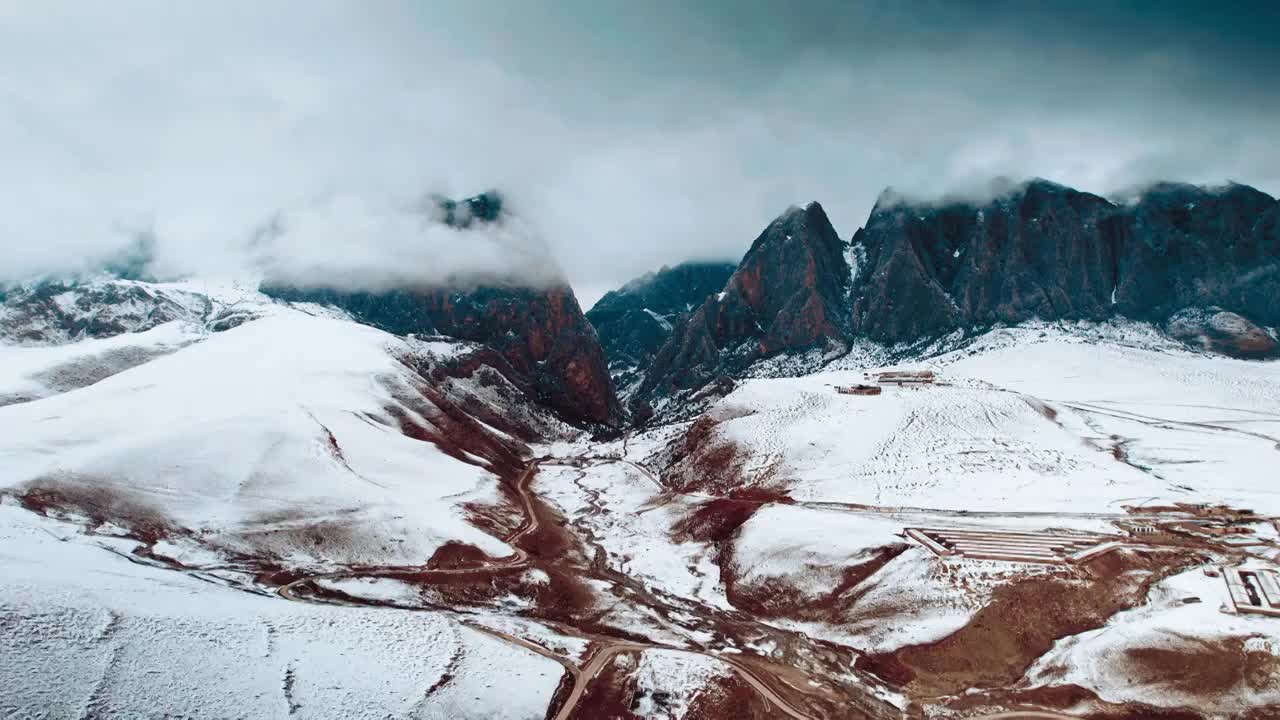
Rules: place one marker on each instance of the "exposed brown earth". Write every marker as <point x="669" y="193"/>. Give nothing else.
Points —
<point x="1203" y="667"/>
<point x="101" y="501"/>
<point x="1023" y="620"/>
<point x="776" y="598"/>
<point x="730" y="697"/>
<point x="610" y="694"/>
<point x="706" y="462"/>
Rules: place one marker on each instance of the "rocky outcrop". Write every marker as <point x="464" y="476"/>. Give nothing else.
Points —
<point x="1187" y="246"/>
<point x="1224" y="332"/>
<point x="545" y="337"/>
<point x="634" y="321"/>
<point x="1204" y="263"/>
<point x="53" y="312"/>
<point x="540" y="332"/>
<point x="1036" y="252"/>
<point x="789" y="293"/>
<point x="795" y="281"/>
<point x="1049" y="252"/>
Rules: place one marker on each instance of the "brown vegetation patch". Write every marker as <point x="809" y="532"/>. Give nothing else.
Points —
<point x="555" y="591"/>
<point x="85" y="371"/>
<point x="101" y="501"/>
<point x="453" y="429"/>
<point x="1046" y="411"/>
<point x="729" y="697"/>
<point x="777" y="597"/>
<point x="1201" y="666"/>
<point x="611" y="693"/>
<point x="1023" y="620"/>
<point x="454" y="555"/>
<point x="498" y="518"/>
<point x="491" y="371"/>
<point x="715" y="520"/>
<point x="703" y="461"/>
<point x="320" y="537"/>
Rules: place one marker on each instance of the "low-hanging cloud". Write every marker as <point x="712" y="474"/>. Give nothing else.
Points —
<point x="296" y="136"/>
<point x="359" y="243"/>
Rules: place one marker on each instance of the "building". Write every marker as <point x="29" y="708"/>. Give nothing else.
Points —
<point x="906" y="377"/>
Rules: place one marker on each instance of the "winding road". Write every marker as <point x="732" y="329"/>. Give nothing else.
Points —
<point x="582" y="677"/>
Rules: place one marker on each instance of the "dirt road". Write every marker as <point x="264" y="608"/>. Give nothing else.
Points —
<point x="582" y="677"/>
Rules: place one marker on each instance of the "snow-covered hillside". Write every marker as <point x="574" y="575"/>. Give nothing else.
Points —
<point x="232" y="436"/>
<point x="274" y="437"/>
<point x="1035" y="419"/>
<point x="87" y="633"/>
<point x="257" y="509"/>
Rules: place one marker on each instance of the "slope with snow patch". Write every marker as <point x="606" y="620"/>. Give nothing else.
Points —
<point x="89" y="633"/>
<point x="1043" y="422"/>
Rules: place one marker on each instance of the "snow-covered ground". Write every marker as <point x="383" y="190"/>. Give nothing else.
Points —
<point x="1025" y="420"/>
<point x="1206" y="427"/>
<point x="30" y="373"/>
<point x="1174" y="654"/>
<point x="215" y="423"/>
<point x="232" y="426"/>
<point x="87" y="633"/>
<point x="259" y="439"/>
<point x="667" y="682"/>
<point x="622" y="510"/>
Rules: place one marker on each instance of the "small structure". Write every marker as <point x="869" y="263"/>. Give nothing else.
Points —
<point x="859" y="389"/>
<point x="1013" y="545"/>
<point x="1253" y="591"/>
<point x="906" y="377"/>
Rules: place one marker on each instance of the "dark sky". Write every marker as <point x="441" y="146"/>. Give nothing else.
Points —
<point x="628" y="134"/>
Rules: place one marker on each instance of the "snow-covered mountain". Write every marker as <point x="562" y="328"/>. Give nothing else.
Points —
<point x="1200" y="263"/>
<point x="220" y="502"/>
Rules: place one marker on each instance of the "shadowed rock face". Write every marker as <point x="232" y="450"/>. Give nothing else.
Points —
<point x="635" y="320"/>
<point x="1034" y="253"/>
<point x="794" y="280"/>
<point x="1184" y="246"/>
<point x="788" y="293"/>
<point x="540" y="332"/>
<point x="545" y="337"/>
<point x="1050" y="252"/>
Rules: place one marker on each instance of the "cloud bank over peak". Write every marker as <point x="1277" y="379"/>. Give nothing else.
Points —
<point x="630" y="135"/>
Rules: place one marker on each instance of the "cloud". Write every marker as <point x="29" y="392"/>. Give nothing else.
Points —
<point x="628" y="135"/>
<point x="352" y="242"/>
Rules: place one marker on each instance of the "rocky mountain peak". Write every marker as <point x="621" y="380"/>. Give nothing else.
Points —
<point x="789" y="293"/>
<point x="1051" y="252"/>
<point x="487" y="207"/>
<point x="634" y="321"/>
<point x="794" y="280"/>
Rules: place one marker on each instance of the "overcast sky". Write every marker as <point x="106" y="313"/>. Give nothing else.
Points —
<point x="628" y="134"/>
